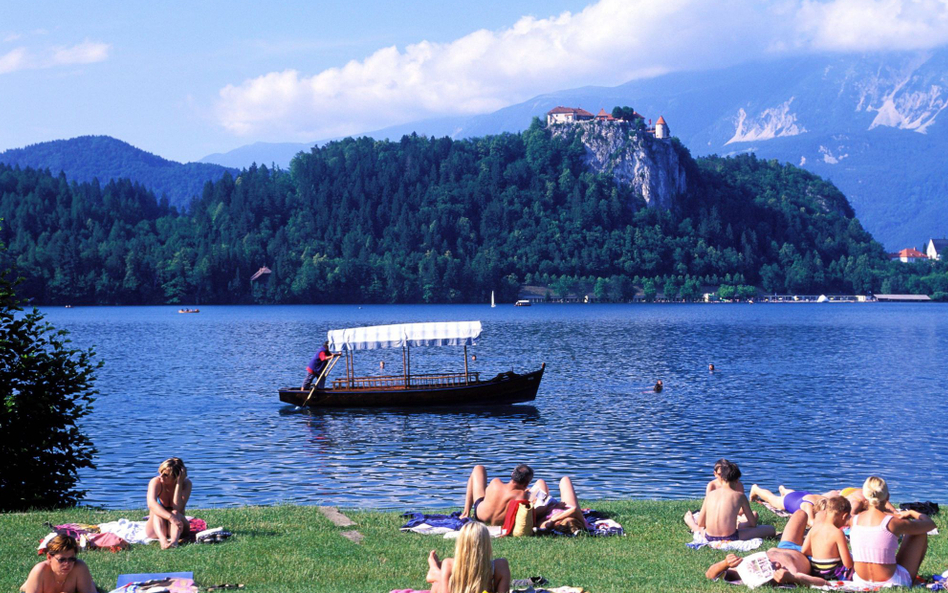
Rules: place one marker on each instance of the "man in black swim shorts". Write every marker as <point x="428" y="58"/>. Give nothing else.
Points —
<point x="487" y="503"/>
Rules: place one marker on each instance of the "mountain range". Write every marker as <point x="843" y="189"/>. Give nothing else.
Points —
<point x="870" y="123"/>
<point x="104" y="158"/>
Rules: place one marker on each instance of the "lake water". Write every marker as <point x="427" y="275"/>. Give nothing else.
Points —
<point x="811" y="396"/>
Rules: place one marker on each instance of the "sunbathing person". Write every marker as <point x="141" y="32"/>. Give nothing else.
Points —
<point x="168" y="494"/>
<point x="826" y="545"/>
<point x="61" y="572"/>
<point x="487" y="503"/>
<point x="722" y="508"/>
<point x="790" y="567"/>
<point x="471" y="570"/>
<point x="877" y="556"/>
<point x="788" y="500"/>
<point x="564" y="515"/>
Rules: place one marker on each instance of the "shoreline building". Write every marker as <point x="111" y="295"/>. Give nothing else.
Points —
<point x="935" y="248"/>
<point x="908" y="256"/>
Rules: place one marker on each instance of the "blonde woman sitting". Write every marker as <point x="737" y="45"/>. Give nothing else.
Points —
<point x="168" y="493"/>
<point x="878" y="558"/>
<point x="471" y="570"/>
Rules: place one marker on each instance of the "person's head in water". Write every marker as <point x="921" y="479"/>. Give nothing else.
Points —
<point x="522" y="474"/>
<point x="711" y="367"/>
<point x="658" y="386"/>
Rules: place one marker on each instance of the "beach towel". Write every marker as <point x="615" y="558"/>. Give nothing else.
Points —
<point x="131" y="531"/>
<point x="774" y="510"/>
<point x="170" y="582"/>
<point x="699" y="541"/>
<point x="433" y="524"/>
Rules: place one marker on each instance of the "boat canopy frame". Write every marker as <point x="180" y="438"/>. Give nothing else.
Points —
<point x="404" y="336"/>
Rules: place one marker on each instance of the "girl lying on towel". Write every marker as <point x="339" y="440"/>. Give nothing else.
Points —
<point x="471" y="570"/>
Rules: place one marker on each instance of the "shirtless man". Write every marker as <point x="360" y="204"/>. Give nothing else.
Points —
<point x="721" y="467"/>
<point x="790" y="567"/>
<point x="61" y="572"/>
<point x="487" y="503"/>
<point x="724" y="504"/>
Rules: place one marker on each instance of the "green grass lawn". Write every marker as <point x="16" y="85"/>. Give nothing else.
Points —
<point x="295" y="548"/>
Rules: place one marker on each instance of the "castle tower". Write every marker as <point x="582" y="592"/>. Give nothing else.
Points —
<point x="661" y="128"/>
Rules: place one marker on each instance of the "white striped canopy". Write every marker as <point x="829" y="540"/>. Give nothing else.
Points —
<point x="436" y="333"/>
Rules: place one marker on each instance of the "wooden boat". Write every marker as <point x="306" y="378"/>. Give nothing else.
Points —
<point x="443" y="389"/>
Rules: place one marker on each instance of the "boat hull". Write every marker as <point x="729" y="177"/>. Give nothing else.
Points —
<point x="506" y="388"/>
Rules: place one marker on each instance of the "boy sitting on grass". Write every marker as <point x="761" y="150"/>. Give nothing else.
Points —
<point x="724" y="502"/>
<point x="826" y="544"/>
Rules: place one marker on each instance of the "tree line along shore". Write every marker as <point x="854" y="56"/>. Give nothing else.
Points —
<point x="296" y="548"/>
<point x="436" y="220"/>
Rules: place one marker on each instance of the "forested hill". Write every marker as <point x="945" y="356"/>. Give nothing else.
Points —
<point x="89" y="157"/>
<point x="434" y="220"/>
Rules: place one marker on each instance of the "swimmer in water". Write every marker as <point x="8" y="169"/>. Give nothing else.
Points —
<point x="711" y="367"/>
<point x="658" y="386"/>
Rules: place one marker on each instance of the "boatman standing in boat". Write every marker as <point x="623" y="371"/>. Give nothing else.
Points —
<point x="316" y="366"/>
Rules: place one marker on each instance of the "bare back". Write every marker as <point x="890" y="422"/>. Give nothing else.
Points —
<point x="720" y="510"/>
<point x="493" y="509"/>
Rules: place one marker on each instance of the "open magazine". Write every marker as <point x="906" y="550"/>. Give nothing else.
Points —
<point x="756" y="570"/>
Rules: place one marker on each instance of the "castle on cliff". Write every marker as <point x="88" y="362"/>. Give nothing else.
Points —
<point x="571" y="115"/>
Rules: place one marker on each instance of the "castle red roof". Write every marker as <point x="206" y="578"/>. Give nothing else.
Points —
<point x="661" y="120"/>
<point x="911" y="252"/>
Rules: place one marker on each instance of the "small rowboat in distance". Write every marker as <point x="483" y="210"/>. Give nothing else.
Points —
<point x="442" y="389"/>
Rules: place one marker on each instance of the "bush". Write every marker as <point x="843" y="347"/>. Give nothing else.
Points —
<point x="46" y="386"/>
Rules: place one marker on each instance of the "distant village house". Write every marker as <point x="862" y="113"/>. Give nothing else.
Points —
<point x="935" y="248"/>
<point x="908" y="255"/>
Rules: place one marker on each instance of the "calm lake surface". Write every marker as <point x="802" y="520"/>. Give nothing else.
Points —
<point x="810" y="396"/>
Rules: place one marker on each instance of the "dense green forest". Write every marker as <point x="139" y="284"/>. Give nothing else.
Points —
<point x="103" y="157"/>
<point x="439" y="220"/>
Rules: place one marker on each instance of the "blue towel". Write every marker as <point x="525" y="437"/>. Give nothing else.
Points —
<point x="125" y="579"/>
<point x="452" y="521"/>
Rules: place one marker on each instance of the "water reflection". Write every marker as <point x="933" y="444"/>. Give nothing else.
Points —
<point x="810" y="396"/>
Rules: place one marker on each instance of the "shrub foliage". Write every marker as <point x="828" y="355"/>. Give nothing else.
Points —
<point x="47" y="386"/>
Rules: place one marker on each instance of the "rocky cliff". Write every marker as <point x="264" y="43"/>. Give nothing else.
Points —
<point x="632" y="157"/>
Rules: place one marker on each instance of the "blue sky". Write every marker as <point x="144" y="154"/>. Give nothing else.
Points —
<point x="185" y="79"/>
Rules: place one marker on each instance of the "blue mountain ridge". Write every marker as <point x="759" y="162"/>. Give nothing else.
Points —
<point x="103" y="157"/>
<point x="870" y="123"/>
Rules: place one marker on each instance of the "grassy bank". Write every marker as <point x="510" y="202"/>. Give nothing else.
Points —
<point x="296" y="548"/>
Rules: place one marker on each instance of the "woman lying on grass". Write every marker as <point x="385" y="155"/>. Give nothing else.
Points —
<point x="471" y="570"/>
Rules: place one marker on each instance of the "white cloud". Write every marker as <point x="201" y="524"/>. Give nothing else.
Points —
<point x="868" y="25"/>
<point x="23" y="58"/>
<point x="607" y="43"/>
<point x="86" y="52"/>
<point x="13" y="60"/>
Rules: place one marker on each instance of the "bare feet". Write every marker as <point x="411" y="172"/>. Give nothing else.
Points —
<point x="753" y="493"/>
<point x="434" y="568"/>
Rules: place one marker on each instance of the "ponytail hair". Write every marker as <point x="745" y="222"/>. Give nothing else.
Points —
<point x="876" y="491"/>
